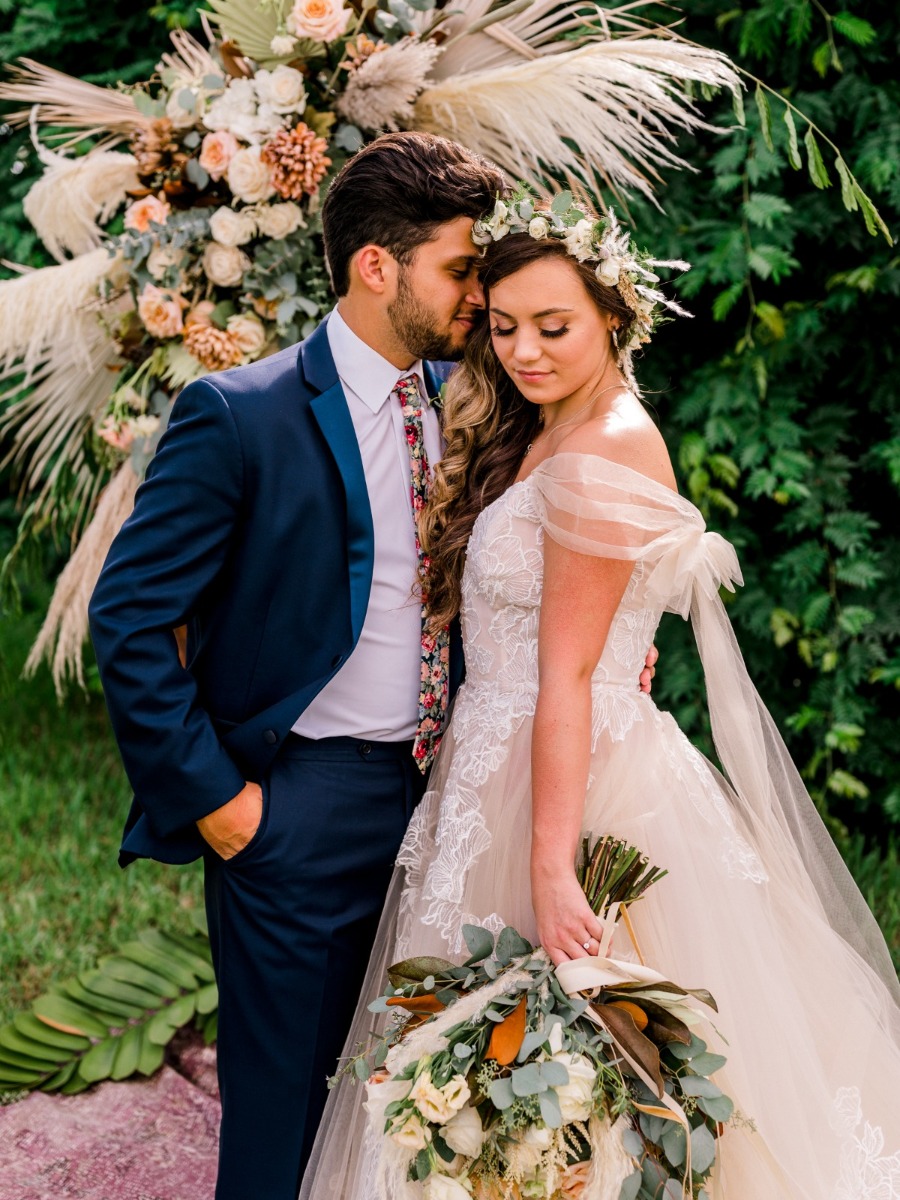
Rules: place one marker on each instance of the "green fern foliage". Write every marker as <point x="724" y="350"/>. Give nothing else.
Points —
<point x="114" y="1021"/>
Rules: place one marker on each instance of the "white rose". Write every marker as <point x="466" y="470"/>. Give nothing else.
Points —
<point x="232" y="228"/>
<point x="278" y="220"/>
<point x="282" y="44"/>
<point x="161" y="258"/>
<point x="464" y="1133"/>
<point x="608" y="271"/>
<point x="525" y="1154"/>
<point x="430" y="1101"/>
<point x="249" y="177"/>
<point x="576" y="1097"/>
<point x="456" y="1092"/>
<point x="320" y="20"/>
<point x="443" y="1187"/>
<point x="497" y="223"/>
<point x="282" y="89"/>
<point x="224" y="265"/>
<point x="238" y="99"/>
<point x="411" y="1134"/>
<point x="539" y="227"/>
<point x="248" y="331"/>
<point x="578" y="240"/>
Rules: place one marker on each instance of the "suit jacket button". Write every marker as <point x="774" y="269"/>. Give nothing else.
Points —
<point x="270" y="737"/>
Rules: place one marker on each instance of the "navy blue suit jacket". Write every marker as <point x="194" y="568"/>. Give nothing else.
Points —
<point x="253" y="527"/>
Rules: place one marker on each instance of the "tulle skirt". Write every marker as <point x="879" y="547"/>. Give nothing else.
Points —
<point x="810" y="1031"/>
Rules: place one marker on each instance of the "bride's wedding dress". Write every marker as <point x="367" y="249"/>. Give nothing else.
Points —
<point x="757" y="906"/>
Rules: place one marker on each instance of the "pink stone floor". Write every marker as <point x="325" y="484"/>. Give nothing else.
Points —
<point x="152" y="1139"/>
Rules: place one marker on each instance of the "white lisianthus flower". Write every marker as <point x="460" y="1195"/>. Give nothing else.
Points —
<point x="525" y="1154"/>
<point x="497" y="224"/>
<point x="161" y="258"/>
<point x="444" y="1187"/>
<point x="281" y="44"/>
<point x="249" y="333"/>
<point x="411" y="1134"/>
<point x="249" y="177"/>
<point x="282" y="89"/>
<point x="430" y="1101"/>
<point x="278" y="220"/>
<point x="232" y="228"/>
<point x="578" y="240"/>
<point x="576" y="1097"/>
<point x="464" y="1133"/>
<point x="237" y="101"/>
<point x="538" y="228"/>
<point x="319" y="20"/>
<point x="224" y="265"/>
<point x="456" y="1092"/>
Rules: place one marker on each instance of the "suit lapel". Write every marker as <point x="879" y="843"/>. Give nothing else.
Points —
<point x="330" y="411"/>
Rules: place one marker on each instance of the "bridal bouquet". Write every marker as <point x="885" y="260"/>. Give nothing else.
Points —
<point x="507" y="1079"/>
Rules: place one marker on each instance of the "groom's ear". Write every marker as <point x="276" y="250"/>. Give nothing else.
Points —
<point x="376" y="270"/>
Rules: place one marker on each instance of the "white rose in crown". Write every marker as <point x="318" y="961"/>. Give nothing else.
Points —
<point x="578" y="240"/>
<point x="224" y="265"/>
<point x="249" y="333"/>
<point x="609" y="269"/>
<point x="411" y="1134"/>
<point x="430" y="1100"/>
<point x="538" y="228"/>
<point x="278" y="220"/>
<point x="249" y="177"/>
<point x="232" y="228"/>
<point x="525" y="1154"/>
<point x="576" y="1098"/>
<point x="464" y="1133"/>
<point x="282" y="89"/>
<point x="443" y="1187"/>
<point x="319" y="20"/>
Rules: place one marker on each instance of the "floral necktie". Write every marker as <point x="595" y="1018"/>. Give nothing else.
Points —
<point x="435" y="677"/>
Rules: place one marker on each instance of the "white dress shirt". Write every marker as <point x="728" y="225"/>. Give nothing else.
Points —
<point x="375" y="695"/>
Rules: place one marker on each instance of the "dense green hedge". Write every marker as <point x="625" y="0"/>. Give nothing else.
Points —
<point x="779" y="398"/>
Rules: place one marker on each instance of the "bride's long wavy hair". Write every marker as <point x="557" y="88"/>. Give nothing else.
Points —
<point x="488" y="424"/>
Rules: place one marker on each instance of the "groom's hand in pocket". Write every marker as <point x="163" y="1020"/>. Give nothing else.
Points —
<point x="230" y="828"/>
<point x="646" y="676"/>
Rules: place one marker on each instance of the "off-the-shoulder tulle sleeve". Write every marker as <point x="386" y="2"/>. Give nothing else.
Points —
<point x="595" y="506"/>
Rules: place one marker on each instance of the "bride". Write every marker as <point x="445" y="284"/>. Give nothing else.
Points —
<point x="558" y="535"/>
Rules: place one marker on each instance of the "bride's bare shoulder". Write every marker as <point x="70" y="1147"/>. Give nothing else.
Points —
<point x="624" y="434"/>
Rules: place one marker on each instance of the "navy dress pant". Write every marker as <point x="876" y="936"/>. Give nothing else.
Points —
<point x="292" y="917"/>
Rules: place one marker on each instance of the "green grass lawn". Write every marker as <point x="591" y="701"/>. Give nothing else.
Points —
<point x="63" y="796"/>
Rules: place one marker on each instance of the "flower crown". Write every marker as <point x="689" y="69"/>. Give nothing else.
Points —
<point x="589" y="239"/>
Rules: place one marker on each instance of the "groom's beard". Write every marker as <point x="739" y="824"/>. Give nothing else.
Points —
<point x="418" y="328"/>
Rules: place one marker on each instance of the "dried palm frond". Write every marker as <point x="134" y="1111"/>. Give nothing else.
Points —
<point x="74" y="194"/>
<point x="69" y="102"/>
<point x="65" y="627"/>
<point x="381" y="92"/>
<point x="191" y="61"/>
<point x="250" y="26"/>
<point x="617" y="101"/>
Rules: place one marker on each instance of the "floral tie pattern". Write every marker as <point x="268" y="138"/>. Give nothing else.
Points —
<point x="434" y="687"/>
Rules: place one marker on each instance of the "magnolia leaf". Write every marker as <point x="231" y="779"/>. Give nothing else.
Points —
<point x="765" y="116"/>
<point x="793" y="147"/>
<point x="416" y="970"/>
<point x="626" y="1034"/>
<point x="506" y="1038"/>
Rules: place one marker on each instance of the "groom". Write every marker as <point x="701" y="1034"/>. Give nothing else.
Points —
<point x="276" y="521"/>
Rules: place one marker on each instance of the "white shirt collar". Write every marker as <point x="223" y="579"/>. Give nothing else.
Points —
<point x="362" y="370"/>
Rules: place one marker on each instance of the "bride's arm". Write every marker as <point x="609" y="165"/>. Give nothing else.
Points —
<point x="580" y="596"/>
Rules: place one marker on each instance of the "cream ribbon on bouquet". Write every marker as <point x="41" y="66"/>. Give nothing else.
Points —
<point x="588" y="975"/>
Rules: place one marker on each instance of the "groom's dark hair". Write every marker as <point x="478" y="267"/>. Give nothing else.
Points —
<point x="396" y="193"/>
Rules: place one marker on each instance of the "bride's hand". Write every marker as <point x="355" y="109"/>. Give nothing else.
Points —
<point x="567" y="928"/>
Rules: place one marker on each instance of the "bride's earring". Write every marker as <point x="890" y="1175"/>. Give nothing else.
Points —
<point x="615" y="337"/>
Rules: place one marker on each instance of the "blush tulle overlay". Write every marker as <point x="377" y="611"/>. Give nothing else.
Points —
<point x="758" y="906"/>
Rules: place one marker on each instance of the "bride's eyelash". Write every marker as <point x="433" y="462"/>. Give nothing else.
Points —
<point x="555" y="332"/>
<point x="496" y="331"/>
<point x="548" y="333"/>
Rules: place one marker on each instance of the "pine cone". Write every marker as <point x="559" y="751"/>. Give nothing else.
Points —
<point x="298" y="161"/>
<point x="215" y="348"/>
